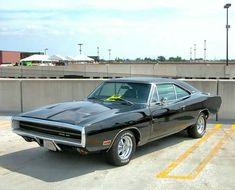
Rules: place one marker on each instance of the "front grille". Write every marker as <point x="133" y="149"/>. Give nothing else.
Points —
<point x="50" y="129"/>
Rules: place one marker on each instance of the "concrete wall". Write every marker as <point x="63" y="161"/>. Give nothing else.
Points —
<point x="26" y="94"/>
<point x="117" y="70"/>
<point x="37" y="93"/>
<point x="226" y="90"/>
<point x="10" y="95"/>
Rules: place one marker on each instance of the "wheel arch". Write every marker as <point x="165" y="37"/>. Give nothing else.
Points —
<point x="134" y="130"/>
<point x="206" y="112"/>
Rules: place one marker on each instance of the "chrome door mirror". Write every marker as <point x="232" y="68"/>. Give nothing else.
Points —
<point x="163" y="100"/>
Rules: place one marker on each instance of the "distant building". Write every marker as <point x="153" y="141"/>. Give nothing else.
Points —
<point x="12" y="57"/>
<point x="96" y="58"/>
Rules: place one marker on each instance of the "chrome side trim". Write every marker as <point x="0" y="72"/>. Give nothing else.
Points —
<point x="151" y="92"/>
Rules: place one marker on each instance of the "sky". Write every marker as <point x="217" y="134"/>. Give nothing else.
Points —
<point x="130" y="28"/>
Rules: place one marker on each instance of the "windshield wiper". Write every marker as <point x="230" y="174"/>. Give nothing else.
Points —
<point x="124" y="100"/>
<point x="94" y="98"/>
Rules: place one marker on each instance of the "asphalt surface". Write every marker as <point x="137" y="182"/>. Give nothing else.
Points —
<point x="175" y="162"/>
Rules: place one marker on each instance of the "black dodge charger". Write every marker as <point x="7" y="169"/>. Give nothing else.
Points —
<point x="118" y="116"/>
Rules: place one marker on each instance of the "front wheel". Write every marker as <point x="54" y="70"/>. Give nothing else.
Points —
<point x="198" y="130"/>
<point x="122" y="149"/>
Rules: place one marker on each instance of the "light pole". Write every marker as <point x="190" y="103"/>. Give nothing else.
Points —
<point x="227" y="27"/>
<point x="109" y="54"/>
<point x="195" y="52"/>
<point x="190" y="54"/>
<point x="80" y="48"/>
<point x="98" y="51"/>
<point x="45" y="51"/>
<point x="204" y="50"/>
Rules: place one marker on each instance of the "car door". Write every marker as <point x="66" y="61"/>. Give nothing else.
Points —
<point x="167" y="111"/>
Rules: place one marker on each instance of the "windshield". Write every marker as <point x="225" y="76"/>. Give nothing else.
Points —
<point x="114" y="91"/>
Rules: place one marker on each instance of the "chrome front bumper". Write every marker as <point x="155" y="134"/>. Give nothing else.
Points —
<point x="43" y="136"/>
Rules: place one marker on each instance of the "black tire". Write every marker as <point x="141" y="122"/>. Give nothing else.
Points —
<point x="199" y="128"/>
<point x="121" y="158"/>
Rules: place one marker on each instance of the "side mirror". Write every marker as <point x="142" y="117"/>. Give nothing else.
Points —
<point x="163" y="100"/>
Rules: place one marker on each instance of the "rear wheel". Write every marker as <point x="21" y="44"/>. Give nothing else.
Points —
<point x="198" y="130"/>
<point x="122" y="149"/>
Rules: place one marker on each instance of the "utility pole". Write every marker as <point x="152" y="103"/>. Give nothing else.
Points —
<point x="80" y="48"/>
<point x="227" y="27"/>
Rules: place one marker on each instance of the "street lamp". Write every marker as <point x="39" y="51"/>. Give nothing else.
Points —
<point x="98" y="51"/>
<point x="109" y="54"/>
<point x="204" y="50"/>
<point x="80" y="48"/>
<point x="45" y="51"/>
<point x="195" y="51"/>
<point x="227" y="27"/>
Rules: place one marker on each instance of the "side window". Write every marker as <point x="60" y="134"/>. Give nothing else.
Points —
<point x="166" y="91"/>
<point x="155" y="96"/>
<point x="181" y="92"/>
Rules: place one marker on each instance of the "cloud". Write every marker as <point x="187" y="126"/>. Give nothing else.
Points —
<point x="132" y="28"/>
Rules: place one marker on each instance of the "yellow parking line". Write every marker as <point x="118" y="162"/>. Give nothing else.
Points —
<point x="174" y="164"/>
<point x="205" y="161"/>
<point x="5" y="125"/>
<point x="4" y="122"/>
<point x="213" y="151"/>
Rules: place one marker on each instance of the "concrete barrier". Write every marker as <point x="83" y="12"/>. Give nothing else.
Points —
<point x="116" y="70"/>
<point x="24" y="95"/>
<point x="10" y="96"/>
<point x="226" y="89"/>
<point x="36" y="93"/>
<point x="208" y="86"/>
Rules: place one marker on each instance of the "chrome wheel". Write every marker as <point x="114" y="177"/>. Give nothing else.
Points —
<point x="200" y="124"/>
<point x="125" y="147"/>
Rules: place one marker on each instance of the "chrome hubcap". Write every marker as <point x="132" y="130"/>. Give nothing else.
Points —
<point x="200" y="125"/>
<point x="125" y="147"/>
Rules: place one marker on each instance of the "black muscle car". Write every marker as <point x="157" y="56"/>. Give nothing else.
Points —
<point x="119" y="115"/>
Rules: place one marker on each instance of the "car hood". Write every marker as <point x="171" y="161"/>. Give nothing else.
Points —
<point x="80" y="112"/>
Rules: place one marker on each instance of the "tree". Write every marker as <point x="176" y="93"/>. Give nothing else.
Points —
<point x="161" y="58"/>
<point x="175" y="58"/>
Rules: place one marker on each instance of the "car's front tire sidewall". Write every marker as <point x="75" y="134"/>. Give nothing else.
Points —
<point x="113" y="156"/>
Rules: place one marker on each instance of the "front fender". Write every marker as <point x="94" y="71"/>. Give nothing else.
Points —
<point x="101" y="135"/>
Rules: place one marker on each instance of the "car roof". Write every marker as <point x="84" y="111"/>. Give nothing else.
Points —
<point x="155" y="80"/>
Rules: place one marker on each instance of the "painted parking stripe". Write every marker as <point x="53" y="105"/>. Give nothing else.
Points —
<point x="213" y="152"/>
<point x="182" y="157"/>
<point x="4" y="124"/>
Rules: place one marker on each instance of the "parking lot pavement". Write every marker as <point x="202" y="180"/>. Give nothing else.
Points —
<point x="175" y="162"/>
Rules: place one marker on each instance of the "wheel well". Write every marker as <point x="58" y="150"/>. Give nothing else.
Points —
<point x="206" y="112"/>
<point x="136" y="134"/>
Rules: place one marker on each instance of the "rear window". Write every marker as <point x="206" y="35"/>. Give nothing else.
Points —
<point x="181" y="92"/>
<point x="166" y="91"/>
